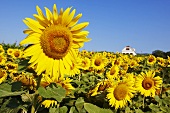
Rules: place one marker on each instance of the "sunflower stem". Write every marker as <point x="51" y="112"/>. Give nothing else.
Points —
<point x="143" y="102"/>
<point x="33" y="108"/>
<point x="162" y="81"/>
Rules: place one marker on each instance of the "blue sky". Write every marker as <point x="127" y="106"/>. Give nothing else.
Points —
<point x="114" y="24"/>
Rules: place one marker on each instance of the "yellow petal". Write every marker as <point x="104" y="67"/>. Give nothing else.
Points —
<point x="79" y="27"/>
<point x="48" y="14"/>
<point x="42" y="21"/>
<point x="75" y="20"/>
<point x="31" y="39"/>
<point x="56" y="69"/>
<point x="32" y="26"/>
<point x="35" y="23"/>
<point x="81" y="34"/>
<point x="55" y="13"/>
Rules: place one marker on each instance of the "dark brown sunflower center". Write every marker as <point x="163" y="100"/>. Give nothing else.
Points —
<point x="112" y="71"/>
<point x="2" y="73"/>
<point x="147" y="83"/>
<point x="0" y="59"/>
<point x="102" y="87"/>
<point x="151" y="59"/>
<point x="120" y="92"/>
<point x="56" y="41"/>
<point x="97" y="62"/>
<point x="16" y="54"/>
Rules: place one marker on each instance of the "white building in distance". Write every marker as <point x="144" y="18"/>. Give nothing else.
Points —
<point x="128" y="50"/>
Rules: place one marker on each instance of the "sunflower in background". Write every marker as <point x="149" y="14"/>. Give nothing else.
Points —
<point x="63" y="82"/>
<point x="2" y="51"/>
<point x="120" y="93"/>
<point x="3" y="75"/>
<point x="98" y="61"/>
<point x="54" y="40"/>
<point x="151" y="60"/>
<point x="10" y="51"/>
<point x="3" y="59"/>
<point x="113" y="72"/>
<point x="17" y="53"/>
<point x="147" y="83"/>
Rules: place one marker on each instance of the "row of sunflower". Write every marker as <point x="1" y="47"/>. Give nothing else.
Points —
<point x="51" y="75"/>
<point x="107" y="80"/>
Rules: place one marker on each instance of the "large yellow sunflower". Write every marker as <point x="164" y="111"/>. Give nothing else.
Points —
<point x="53" y="39"/>
<point x="120" y="93"/>
<point x="147" y="84"/>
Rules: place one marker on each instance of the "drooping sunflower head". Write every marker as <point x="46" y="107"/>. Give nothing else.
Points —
<point x="100" y="87"/>
<point x="54" y="40"/>
<point x="120" y="93"/>
<point x="147" y="84"/>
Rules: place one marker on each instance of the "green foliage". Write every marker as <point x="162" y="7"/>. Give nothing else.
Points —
<point x="90" y="108"/>
<point x="52" y="91"/>
<point x="9" y="90"/>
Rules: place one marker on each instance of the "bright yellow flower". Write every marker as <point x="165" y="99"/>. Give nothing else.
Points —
<point x="17" y="53"/>
<point x="74" y="69"/>
<point x="98" y="61"/>
<point x="10" y="51"/>
<point x="63" y="82"/>
<point x="3" y="75"/>
<point x="11" y="67"/>
<point x="54" y="40"/>
<point x="113" y="72"/>
<point x="147" y="84"/>
<point x="49" y="103"/>
<point x="84" y="63"/>
<point x="2" y="51"/>
<point x="2" y="59"/>
<point x="100" y="87"/>
<point x="151" y="60"/>
<point x="162" y="62"/>
<point x="120" y="93"/>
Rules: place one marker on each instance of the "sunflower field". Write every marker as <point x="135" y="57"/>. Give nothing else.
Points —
<point x="47" y="72"/>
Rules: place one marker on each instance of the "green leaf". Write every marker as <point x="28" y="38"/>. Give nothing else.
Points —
<point x="63" y="109"/>
<point x="22" y="65"/>
<point x="79" y="103"/>
<point x="54" y="110"/>
<point x="72" y="109"/>
<point x="90" y="108"/>
<point x="16" y="86"/>
<point x="165" y="109"/>
<point x="154" y="107"/>
<point x="6" y="90"/>
<point x="51" y="91"/>
<point x="27" y="97"/>
<point x="138" y="111"/>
